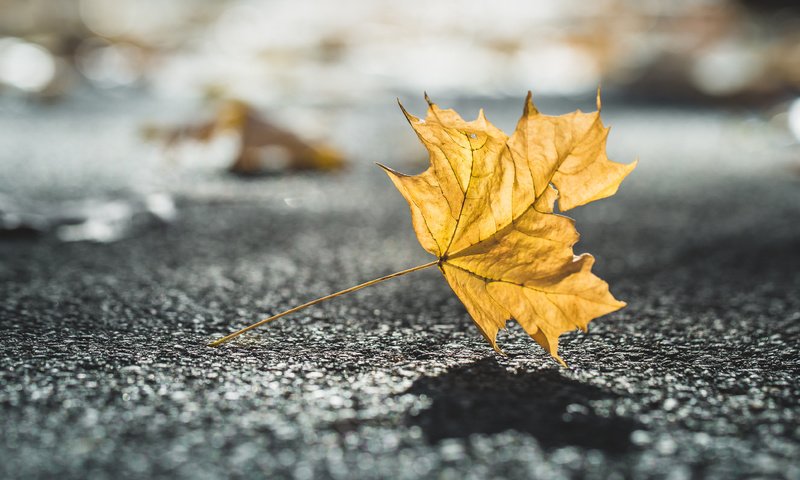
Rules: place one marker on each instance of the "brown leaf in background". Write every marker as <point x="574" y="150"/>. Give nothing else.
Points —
<point x="263" y="146"/>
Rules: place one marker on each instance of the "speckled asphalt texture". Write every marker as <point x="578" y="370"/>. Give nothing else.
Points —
<point x="105" y="372"/>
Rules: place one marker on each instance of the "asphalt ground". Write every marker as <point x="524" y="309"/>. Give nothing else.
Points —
<point x="105" y="371"/>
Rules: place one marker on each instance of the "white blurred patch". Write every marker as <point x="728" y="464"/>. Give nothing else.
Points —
<point x="109" y="65"/>
<point x="727" y="69"/>
<point x="25" y="66"/>
<point x="102" y="222"/>
<point x="558" y="69"/>
<point x="793" y="118"/>
<point x="153" y="20"/>
<point x="161" y="206"/>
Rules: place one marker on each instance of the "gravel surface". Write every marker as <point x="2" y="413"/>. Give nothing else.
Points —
<point x="105" y="372"/>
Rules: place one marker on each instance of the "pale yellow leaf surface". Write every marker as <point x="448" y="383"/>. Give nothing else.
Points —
<point x="485" y="209"/>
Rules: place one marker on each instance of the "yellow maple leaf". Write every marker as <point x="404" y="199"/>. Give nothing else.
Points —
<point x="484" y="207"/>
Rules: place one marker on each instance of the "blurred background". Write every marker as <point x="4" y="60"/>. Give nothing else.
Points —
<point x="116" y="107"/>
<point x="274" y="53"/>
<point x="112" y="109"/>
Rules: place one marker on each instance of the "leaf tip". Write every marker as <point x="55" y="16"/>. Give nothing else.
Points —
<point x="428" y="99"/>
<point x="411" y="118"/>
<point x="626" y="170"/>
<point x="530" y="108"/>
<point x="402" y="108"/>
<point x="385" y="168"/>
<point x="599" y="102"/>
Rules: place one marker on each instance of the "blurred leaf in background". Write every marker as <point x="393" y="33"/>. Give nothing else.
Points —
<point x="261" y="147"/>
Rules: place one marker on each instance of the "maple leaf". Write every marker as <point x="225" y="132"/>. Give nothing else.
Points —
<point x="485" y="208"/>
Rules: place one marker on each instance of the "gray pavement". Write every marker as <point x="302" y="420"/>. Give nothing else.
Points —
<point x="105" y="372"/>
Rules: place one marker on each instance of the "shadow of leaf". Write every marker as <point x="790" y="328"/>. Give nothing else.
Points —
<point x="484" y="397"/>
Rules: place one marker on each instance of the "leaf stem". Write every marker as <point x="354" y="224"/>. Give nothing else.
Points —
<point x="235" y="334"/>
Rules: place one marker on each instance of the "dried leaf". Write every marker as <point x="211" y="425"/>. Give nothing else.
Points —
<point x="485" y="209"/>
<point x="263" y="146"/>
